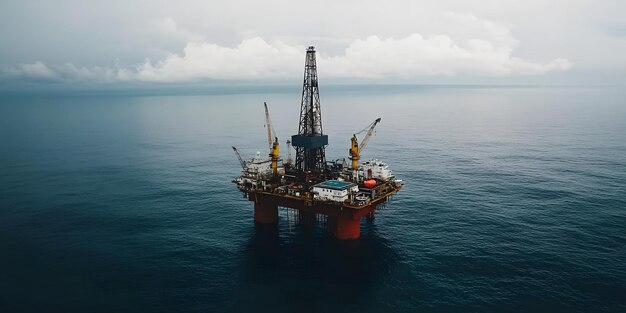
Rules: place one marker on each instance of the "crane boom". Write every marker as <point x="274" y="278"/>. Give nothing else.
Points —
<point x="270" y="127"/>
<point x="355" y="148"/>
<point x="241" y="161"/>
<point x="370" y="131"/>
<point x="274" y="146"/>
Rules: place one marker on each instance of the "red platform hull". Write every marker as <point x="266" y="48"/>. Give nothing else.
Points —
<point x="343" y="222"/>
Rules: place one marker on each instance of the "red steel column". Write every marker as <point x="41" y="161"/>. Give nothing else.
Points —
<point x="347" y="228"/>
<point x="265" y="213"/>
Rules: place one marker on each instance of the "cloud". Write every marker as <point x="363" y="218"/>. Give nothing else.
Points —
<point x="36" y="70"/>
<point x="251" y="59"/>
<point x="470" y="26"/>
<point x="478" y="47"/>
<point x="167" y="27"/>
<point x="69" y="72"/>
<point x="481" y="48"/>
<point x="416" y="55"/>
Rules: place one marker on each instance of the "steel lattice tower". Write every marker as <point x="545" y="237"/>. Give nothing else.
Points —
<point x="310" y="142"/>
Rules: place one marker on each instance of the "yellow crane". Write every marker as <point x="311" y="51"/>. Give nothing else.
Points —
<point x="274" y="146"/>
<point x="355" y="148"/>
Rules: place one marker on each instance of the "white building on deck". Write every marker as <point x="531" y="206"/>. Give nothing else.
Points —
<point x="334" y="190"/>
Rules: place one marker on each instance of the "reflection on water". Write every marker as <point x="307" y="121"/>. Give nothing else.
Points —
<point x="308" y="270"/>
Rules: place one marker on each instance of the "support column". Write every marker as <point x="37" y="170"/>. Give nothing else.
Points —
<point x="331" y="224"/>
<point x="347" y="228"/>
<point x="307" y="220"/>
<point x="265" y="213"/>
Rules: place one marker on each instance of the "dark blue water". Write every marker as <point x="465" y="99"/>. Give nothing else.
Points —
<point x="515" y="201"/>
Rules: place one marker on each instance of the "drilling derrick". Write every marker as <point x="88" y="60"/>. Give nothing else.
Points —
<point x="310" y="142"/>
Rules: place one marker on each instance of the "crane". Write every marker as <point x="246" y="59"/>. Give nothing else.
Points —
<point x="355" y="148"/>
<point x="274" y="146"/>
<point x="241" y="161"/>
<point x="270" y="127"/>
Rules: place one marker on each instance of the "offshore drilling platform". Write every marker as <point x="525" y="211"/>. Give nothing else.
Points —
<point x="338" y="193"/>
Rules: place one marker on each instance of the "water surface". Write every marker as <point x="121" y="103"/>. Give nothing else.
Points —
<point x="514" y="201"/>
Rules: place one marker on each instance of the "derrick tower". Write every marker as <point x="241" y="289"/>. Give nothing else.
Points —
<point x="310" y="142"/>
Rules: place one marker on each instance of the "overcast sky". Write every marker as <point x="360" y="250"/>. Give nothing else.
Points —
<point x="104" y="42"/>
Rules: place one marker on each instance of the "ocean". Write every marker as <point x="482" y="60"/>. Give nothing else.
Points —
<point x="514" y="201"/>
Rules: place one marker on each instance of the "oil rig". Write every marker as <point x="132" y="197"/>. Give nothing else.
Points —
<point x="335" y="192"/>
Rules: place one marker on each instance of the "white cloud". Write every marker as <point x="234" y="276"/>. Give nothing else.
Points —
<point x="478" y="47"/>
<point x="95" y="33"/>
<point x="69" y="72"/>
<point x="251" y="59"/>
<point x="36" y="70"/>
<point x="416" y="55"/>
<point x="471" y="27"/>
<point x="167" y="27"/>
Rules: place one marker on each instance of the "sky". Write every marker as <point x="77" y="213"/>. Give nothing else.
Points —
<point x="445" y="41"/>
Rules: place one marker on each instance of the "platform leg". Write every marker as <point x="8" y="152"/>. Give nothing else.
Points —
<point x="331" y="224"/>
<point x="265" y="213"/>
<point x="307" y="220"/>
<point x="347" y="228"/>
